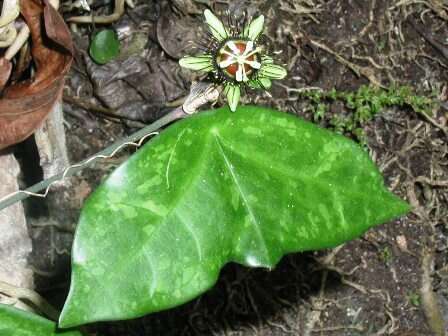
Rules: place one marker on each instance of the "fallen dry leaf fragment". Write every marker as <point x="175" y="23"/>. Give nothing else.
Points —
<point x="5" y="72"/>
<point x="25" y="105"/>
<point x="56" y="29"/>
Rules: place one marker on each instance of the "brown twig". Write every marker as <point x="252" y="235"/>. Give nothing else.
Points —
<point x="358" y="70"/>
<point x="432" y="41"/>
<point x="102" y="111"/>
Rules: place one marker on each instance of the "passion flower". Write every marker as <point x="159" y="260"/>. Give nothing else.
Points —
<point x="236" y="58"/>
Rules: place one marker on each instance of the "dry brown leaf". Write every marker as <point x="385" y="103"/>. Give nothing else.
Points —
<point x="5" y="72"/>
<point x="56" y="28"/>
<point x="25" y="105"/>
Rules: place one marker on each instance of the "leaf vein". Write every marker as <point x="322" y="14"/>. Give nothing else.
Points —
<point x="173" y="151"/>
<point x="246" y="203"/>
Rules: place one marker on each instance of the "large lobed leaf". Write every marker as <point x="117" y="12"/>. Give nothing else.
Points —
<point x="15" y="322"/>
<point x="246" y="187"/>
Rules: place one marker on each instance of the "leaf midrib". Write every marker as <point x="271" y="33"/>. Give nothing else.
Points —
<point x="245" y="202"/>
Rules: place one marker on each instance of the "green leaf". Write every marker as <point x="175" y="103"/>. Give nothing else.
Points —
<point x="15" y="322"/>
<point x="217" y="187"/>
<point x="105" y="46"/>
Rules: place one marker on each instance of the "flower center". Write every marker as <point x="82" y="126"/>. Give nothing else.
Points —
<point x="238" y="59"/>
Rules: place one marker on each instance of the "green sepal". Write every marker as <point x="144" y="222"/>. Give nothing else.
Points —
<point x="273" y="71"/>
<point x="198" y="63"/>
<point x="216" y="26"/>
<point x="254" y="29"/>
<point x="233" y="94"/>
<point x="260" y="83"/>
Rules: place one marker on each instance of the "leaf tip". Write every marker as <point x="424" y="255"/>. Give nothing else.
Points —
<point x="72" y="314"/>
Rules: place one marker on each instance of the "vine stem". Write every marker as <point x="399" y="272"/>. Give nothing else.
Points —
<point x="25" y="294"/>
<point x="139" y="136"/>
<point x="200" y="94"/>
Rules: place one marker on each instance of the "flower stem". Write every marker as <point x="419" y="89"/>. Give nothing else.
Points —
<point x="20" y="195"/>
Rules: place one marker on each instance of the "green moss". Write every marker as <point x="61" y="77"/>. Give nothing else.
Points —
<point x="386" y="255"/>
<point x="362" y="105"/>
<point x="414" y="299"/>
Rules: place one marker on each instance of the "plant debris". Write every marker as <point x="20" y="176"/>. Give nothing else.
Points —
<point x="25" y="104"/>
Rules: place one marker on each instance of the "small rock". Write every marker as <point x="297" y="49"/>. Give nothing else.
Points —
<point x="402" y="243"/>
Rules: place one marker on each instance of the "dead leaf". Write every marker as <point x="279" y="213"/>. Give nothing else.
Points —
<point x="5" y="72"/>
<point x="56" y="29"/>
<point x="25" y="105"/>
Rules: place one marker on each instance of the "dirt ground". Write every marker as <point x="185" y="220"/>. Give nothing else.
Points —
<point x="391" y="281"/>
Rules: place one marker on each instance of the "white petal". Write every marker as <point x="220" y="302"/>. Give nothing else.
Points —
<point x="253" y="64"/>
<point x="256" y="50"/>
<point x="255" y="28"/>
<point x="226" y="63"/>
<point x="216" y="26"/>
<point x="233" y="47"/>
<point x="245" y="78"/>
<point x="249" y="47"/>
<point x="239" y="73"/>
<point x="227" y="53"/>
